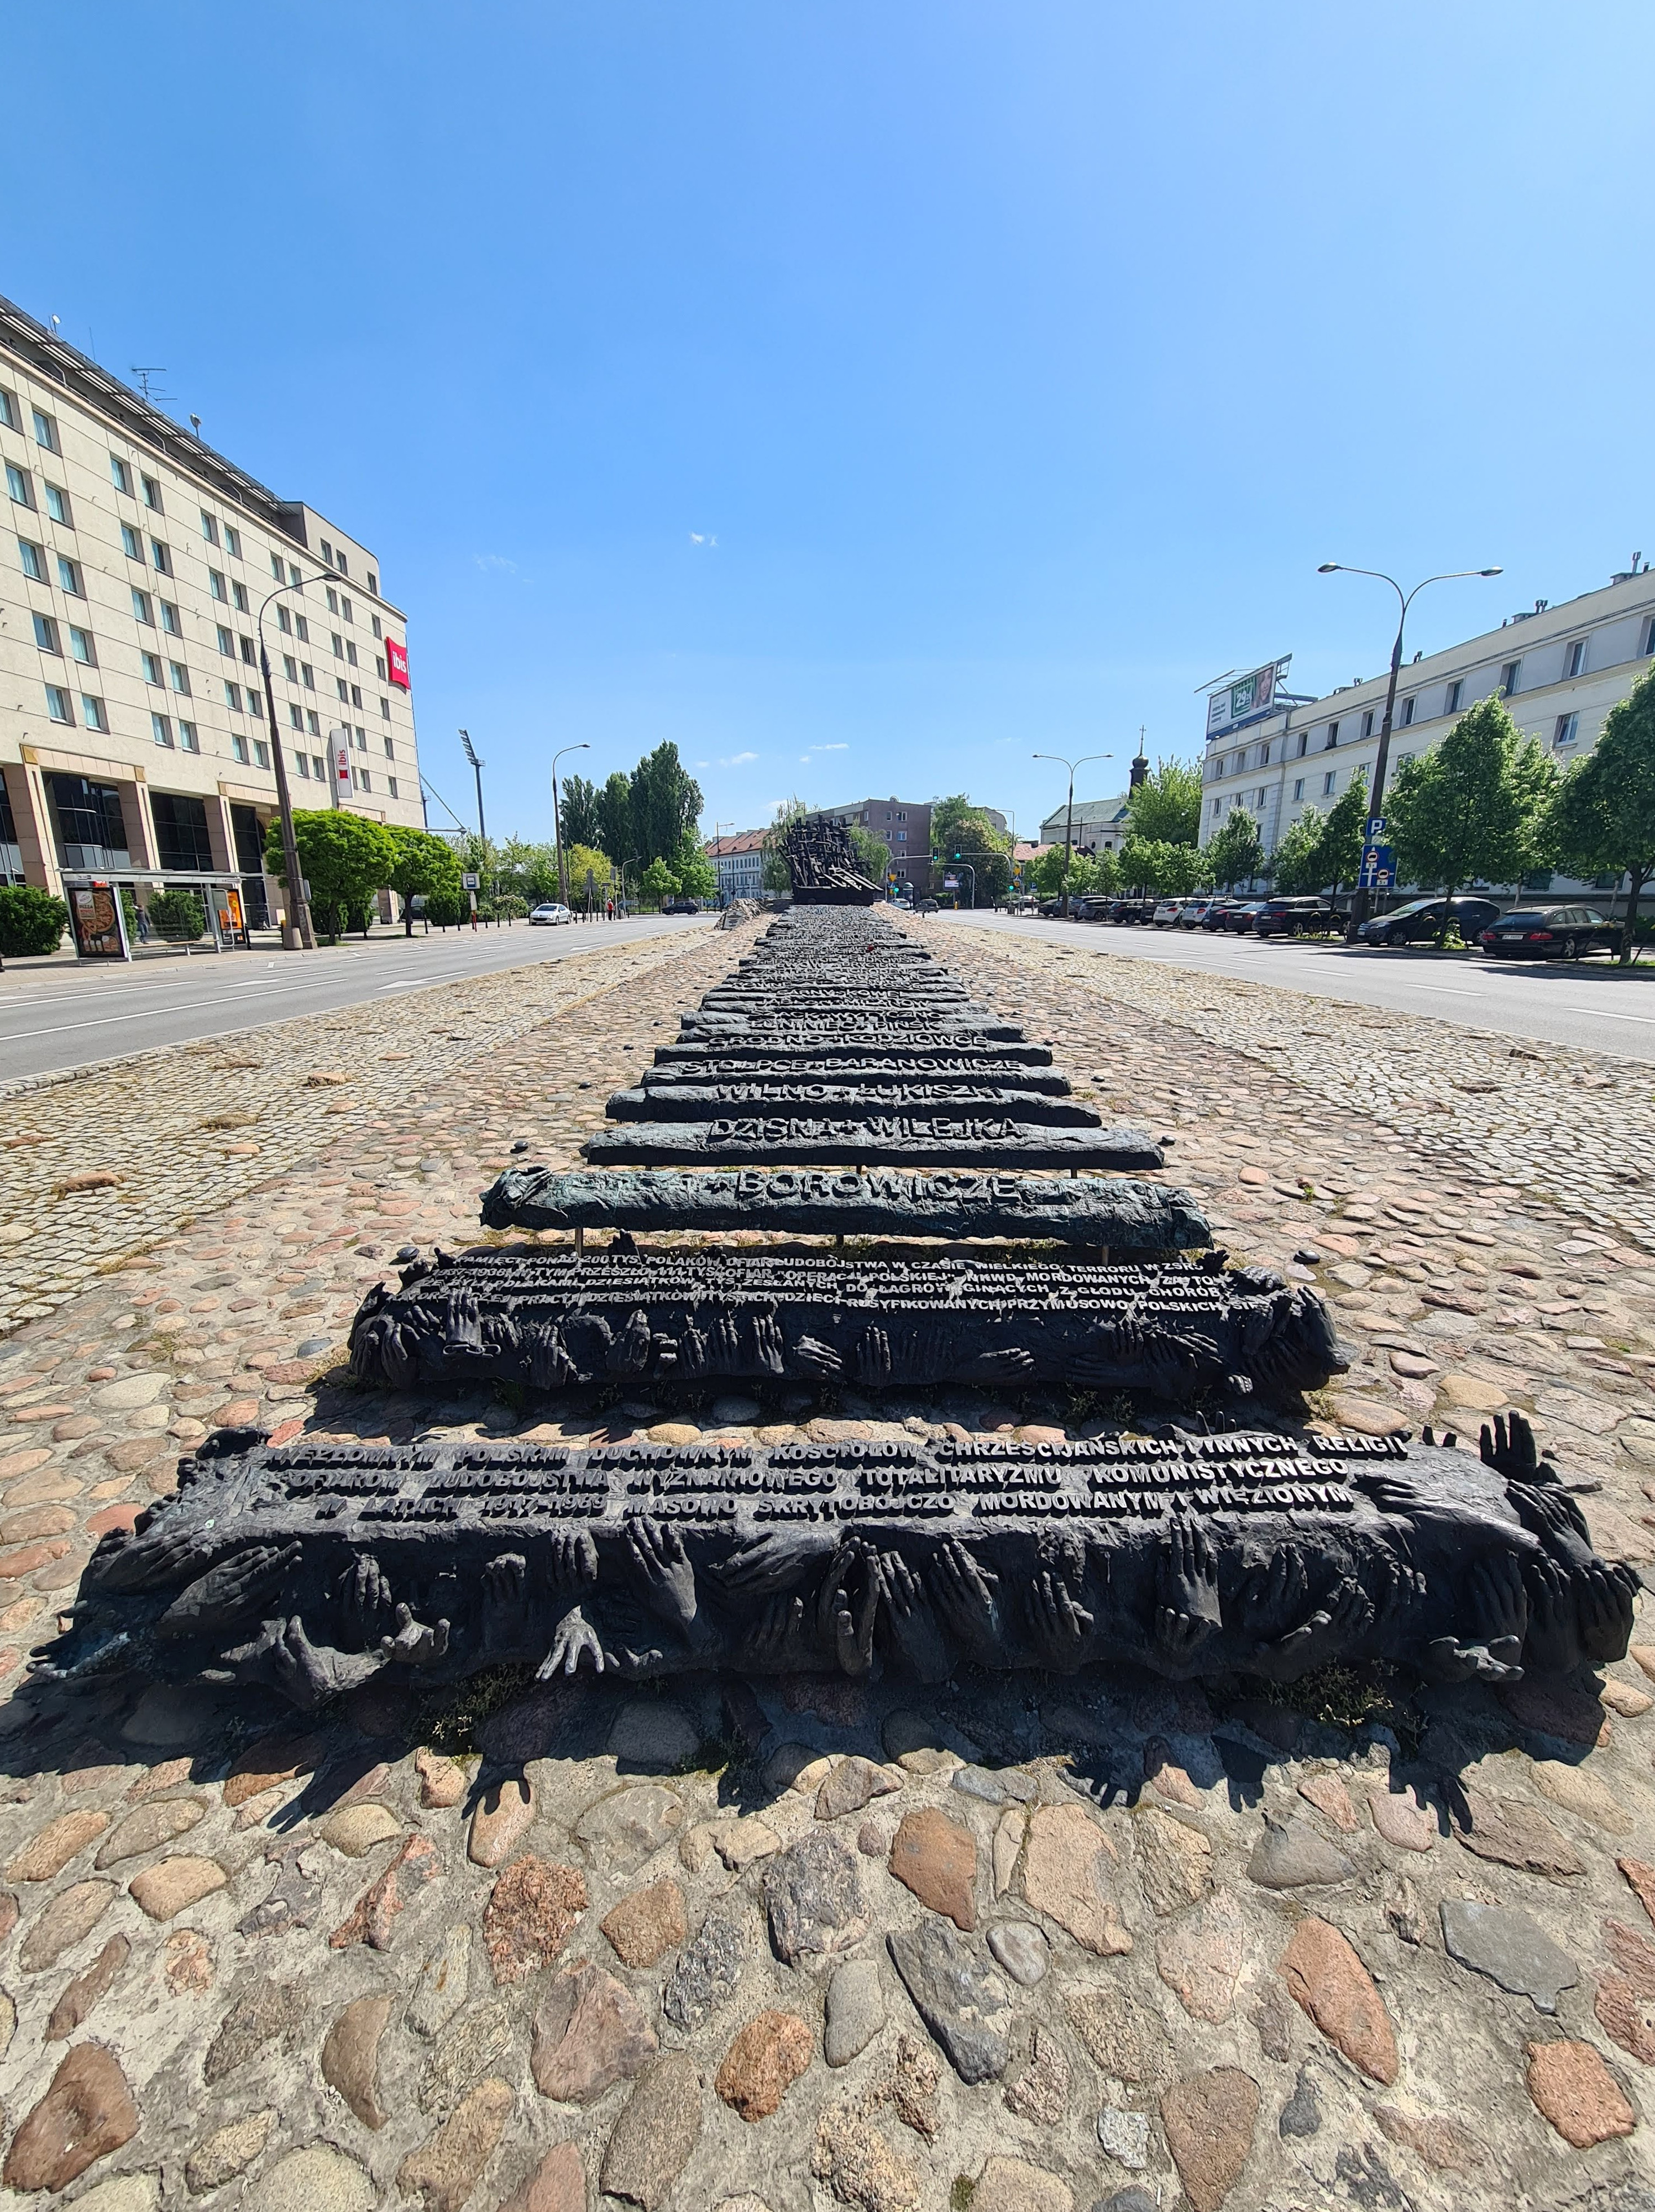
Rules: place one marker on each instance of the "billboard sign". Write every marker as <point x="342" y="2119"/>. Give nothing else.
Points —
<point x="1246" y="699"/>
<point x="340" y="743"/>
<point x="396" y="662"/>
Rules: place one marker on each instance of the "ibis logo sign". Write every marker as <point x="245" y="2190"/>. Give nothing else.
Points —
<point x="396" y="662"/>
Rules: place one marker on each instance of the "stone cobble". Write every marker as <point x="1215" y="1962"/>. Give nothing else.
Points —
<point x="1037" y="1946"/>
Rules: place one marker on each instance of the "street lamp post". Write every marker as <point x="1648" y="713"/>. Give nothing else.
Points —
<point x="298" y="935"/>
<point x="1069" y="822"/>
<point x="556" y="819"/>
<point x="625" y="865"/>
<point x="1376" y="794"/>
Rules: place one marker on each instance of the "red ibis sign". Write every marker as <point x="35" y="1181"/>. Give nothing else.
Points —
<point x="396" y="662"/>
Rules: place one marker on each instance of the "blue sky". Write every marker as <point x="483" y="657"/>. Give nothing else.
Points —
<point x="869" y="395"/>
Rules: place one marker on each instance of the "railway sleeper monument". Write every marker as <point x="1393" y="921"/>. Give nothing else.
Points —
<point x="841" y="1084"/>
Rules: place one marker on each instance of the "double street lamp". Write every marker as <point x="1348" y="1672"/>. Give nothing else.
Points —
<point x="1069" y="822"/>
<point x="298" y="935"/>
<point x="1376" y="794"/>
<point x="556" y="820"/>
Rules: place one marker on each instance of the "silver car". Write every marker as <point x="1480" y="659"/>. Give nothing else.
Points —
<point x="551" y="913"/>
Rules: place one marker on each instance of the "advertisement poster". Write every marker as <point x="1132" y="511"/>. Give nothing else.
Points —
<point x="396" y="662"/>
<point x="100" y="927"/>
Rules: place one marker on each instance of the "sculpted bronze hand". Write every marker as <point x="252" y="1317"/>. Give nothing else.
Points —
<point x="1186" y="1577"/>
<point x="913" y="1636"/>
<point x="668" y="1582"/>
<point x="965" y="1595"/>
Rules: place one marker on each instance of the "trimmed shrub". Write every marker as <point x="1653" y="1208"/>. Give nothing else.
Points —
<point x="31" y="921"/>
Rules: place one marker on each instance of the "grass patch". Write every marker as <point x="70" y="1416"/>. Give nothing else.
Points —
<point x="450" y="1719"/>
<point x="1353" y="1697"/>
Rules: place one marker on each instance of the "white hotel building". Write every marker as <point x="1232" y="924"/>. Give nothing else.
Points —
<point x="134" y="743"/>
<point x="1560" y="668"/>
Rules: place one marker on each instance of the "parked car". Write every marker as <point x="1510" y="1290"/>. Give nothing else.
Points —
<point x="1230" y="914"/>
<point x="1194" y="912"/>
<point x="1091" y="908"/>
<point x="1167" y="912"/>
<point x="681" y="906"/>
<point x="1561" y="933"/>
<point x="549" y="915"/>
<point x="1133" y="912"/>
<point x="1420" y="921"/>
<point x="928" y="906"/>
<point x="1294" y="917"/>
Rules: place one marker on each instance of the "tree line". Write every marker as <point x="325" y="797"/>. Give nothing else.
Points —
<point x="1487" y="805"/>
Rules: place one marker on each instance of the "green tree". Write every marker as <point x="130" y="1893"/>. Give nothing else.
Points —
<point x="872" y="854"/>
<point x="1048" y="872"/>
<point x="1296" y="863"/>
<point x="695" y="876"/>
<point x="961" y="831"/>
<point x="1159" y="868"/>
<point x="614" y="810"/>
<point x="343" y="858"/>
<point x="657" y="881"/>
<point x="1602" y="817"/>
<point x="665" y="801"/>
<point x="1166" y="808"/>
<point x="1476" y="808"/>
<point x="31" y="921"/>
<point x="580" y="860"/>
<point x="1234" y="852"/>
<point x="422" y="864"/>
<point x="578" y="810"/>
<point x="1339" y="849"/>
<point x="776" y="875"/>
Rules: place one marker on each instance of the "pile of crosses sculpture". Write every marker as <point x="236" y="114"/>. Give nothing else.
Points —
<point x="822" y="862"/>
<point x="840" y="1083"/>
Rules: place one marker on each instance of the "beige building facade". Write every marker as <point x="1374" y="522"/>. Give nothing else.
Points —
<point x="135" y="743"/>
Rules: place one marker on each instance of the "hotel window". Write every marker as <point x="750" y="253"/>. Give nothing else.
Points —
<point x="289" y="668"/>
<point x="327" y="553"/>
<point x="1367" y="723"/>
<point x="120" y="475"/>
<point x="247" y="654"/>
<point x="385" y="708"/>
<point x="1451" y="697"/>
<point x="295" y="578"/>
<point x="1217" y="808"/>
<point x="343" y="689"/>
<point x="1568" y="726"/>
<point x="302" y="761"/>
<point x="180" y="676"/>
<point x="344" y="609"/>
<point x="21" y="485"/>
<point x="33" y="559"/>
<point x="313" y="722"/>
<point x="1407" y="714"/>
<point x="161" y="730"/>
<point x="143" y="609"/>
<point x="373" y="583"/>
<point x="240" y="593"/>
<point x="362" y="739"/>
<point x="1328" y="783"/>
<point x="378" y="632"/>
<point x="390" y="751"/>
<point x="356" y="695"/>
<point x="188" y="741"/>
<point x="131" y="543"/>
<point x="209" y="527"/>
<point x="302" y="629"/>
<point x="339" y="563"/>
<point x="307" y="676"/>
<point x="1403" y="760"/>
<point x="364" y="781"/>
<point x="1649" y="637"/>
<point x="151" y="667"/>
<point x="7" y="411"/>
<point x="379" y="671"/>
<point x="391" y="786"/>
<point x="338" y="644"/>
<point x="226" y="643"/>
<point x="81" y="645"/>
<point x="92" y="713"/>
<point x="1508" y="676"/>
<point x="332" y="600"/>
<point x="46" y="635"/>
<point x="46" y="431"/>
<point x="285" y="620"/>
<point x="351" y="653"/>
<point x="239" y="749"/>
<point x="1299" y="788"/>
<point x="296" y="718"/>
<point x="255" y="700"/>
<point x="216" y="584"/>
<point x="1574" y="659"/>
<point x="261" y="752"/>
<point x="232" y="541"/>
<point x="275" y="567"/>
<point x="161" y="555"/>
<point x="69" y="575"/>
<point x="319" y="768"/>
<point x="58" y="704"/>
<point x="171" y="621"/>
<point x="232" y="698"/>
<point x="152" y="493"/>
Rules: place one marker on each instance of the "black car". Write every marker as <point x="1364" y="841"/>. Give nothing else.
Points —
<point x="1237" y="916"/>
<point x="681" y="906"/>
<point x="1295" y="917"/>
<point x="1132" y="912"/>
<point x="1421" y="920"/>
<point x="1559" y="932"/>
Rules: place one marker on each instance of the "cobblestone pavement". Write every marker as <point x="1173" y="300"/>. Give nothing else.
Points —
<point x="1030" y="1947"/>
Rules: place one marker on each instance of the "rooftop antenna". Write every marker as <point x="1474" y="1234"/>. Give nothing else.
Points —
<point x="143" y="376"/>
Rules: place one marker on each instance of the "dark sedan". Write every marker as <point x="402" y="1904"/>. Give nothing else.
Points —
<point x="1295" y="917"/>
<point x="1421" y="920"/>
<point x="1562" y="933"/>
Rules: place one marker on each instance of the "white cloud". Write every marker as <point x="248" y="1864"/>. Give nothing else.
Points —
<point x="738" y="760"/>
<point x="832" y="749"/>
<point x="495" y="564"/>
<point x="702" y="537"/>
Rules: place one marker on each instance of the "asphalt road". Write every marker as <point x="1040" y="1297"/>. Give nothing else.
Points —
<point x="1587" y="1005"/>
<point x="59" y="1016"/>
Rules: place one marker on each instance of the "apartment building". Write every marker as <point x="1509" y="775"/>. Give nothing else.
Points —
<point x="739" y="864"/>
<point x="1559" y="668"/>
<point x="904" y="824"/>
<point x="134" y="564"/>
